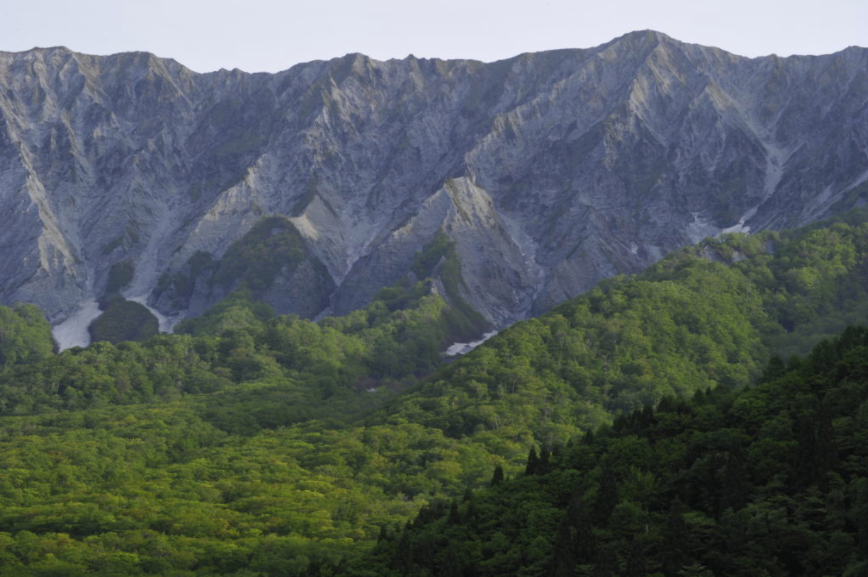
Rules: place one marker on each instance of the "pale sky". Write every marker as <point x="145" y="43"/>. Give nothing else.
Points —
<point x="270" y="35"/>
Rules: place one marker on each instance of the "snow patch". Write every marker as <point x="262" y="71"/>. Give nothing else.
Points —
<point x="740" y="226"/>
<point x="166" y="324"/>
<point x="73" y="331"/>
<point x="700" y="228"/>
<point x="776" y="160"/>
<point x="147" y="268"/>
<point x="464" y="348"/>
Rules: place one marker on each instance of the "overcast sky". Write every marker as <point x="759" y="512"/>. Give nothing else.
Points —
<point x="270" y="35"/>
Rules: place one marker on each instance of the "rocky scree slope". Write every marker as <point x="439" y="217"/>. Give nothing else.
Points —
<point x="548" y="171"/>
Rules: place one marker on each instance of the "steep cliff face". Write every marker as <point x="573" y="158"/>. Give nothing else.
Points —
<point x="548" y="171"/>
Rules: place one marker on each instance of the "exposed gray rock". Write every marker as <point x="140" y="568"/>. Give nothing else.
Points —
<point x="549" y="171"/>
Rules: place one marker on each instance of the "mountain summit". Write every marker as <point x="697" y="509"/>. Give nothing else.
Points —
<point x="319" y="185"/>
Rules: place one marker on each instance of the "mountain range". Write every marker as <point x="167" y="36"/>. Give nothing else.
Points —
<point x="320" y="185"/>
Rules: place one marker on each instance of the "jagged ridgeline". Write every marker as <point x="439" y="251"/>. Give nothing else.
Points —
<point x="547" y="172"/>
<point x="770" y="480"/>
<point x="275" y="446"/>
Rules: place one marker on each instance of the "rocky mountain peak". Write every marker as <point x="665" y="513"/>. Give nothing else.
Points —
<point x="547" y="171"/>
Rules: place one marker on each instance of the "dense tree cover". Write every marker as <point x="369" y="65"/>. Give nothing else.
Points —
<point x="161" y="491"/>
<point x="25" y="335"/>
<point x="261" y="445"/>
<point x="705" y="316"/>
<point x="399" y="336"/>
<point x="766" y="481"/>
<point x="161" y="369"/>
<point x="249" y="464"/>
<point x="123" y="320"/>
<point x="239" y="310"/>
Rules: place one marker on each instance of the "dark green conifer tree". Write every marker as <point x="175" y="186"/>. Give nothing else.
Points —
<point x="736" y="484"/>
<point x="454" y="516"/>
<point x="383" y="535"/>
<point x="607" y="497"/>
<point x="451" y="566"/>
<point x="497" y="477"/>
<point x="805" y="471"/>
<point x="775" y="369"/>
<point x="826" y="448"/>
<point x="585" y="542"/>
<point x="532" y="460"/>
<point x="636" y="566"/>
<point x="606" y="563"/>
<point x="564" y="561"/>
<point x="542" y="466"/>
<point x="673" y="554"/>
<point x="403" y="560"/>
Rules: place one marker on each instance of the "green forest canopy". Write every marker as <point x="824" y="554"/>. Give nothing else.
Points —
<point x="252" y="446"/>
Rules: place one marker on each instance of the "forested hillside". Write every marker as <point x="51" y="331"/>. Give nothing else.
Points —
<point x="256" y="445"/>
<point x="767" y="481"/>
<point x="708" y="315"/>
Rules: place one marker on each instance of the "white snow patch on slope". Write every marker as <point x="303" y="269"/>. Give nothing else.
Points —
<point x="776" y="158"/>
<point x="73" y="331"/>
<point x="740" y="226"/>
<point x="464" y="348"/>
<point x="700" y="228"/>
<point x="146" y="273"/>
<point x="166" y="324"/>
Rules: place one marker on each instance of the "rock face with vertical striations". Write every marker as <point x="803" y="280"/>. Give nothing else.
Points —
<point x="547" y="171"/>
